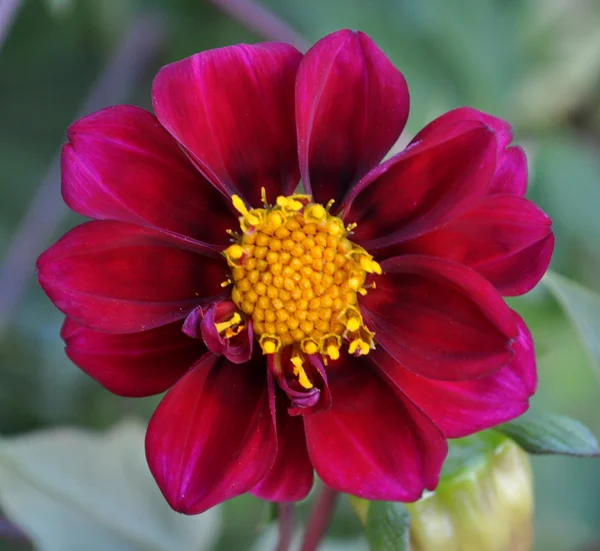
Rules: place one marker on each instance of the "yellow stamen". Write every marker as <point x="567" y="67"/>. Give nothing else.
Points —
<point x="235" y="319"/>
<point x="263" y="196"/>
<point x="226" y="282"/>
<point x="309" y="346"/>
<point x="301" y="373"/>
<point x="235" y="252"/>
<point x="270" y="343"/>
<point x="360" y="346"/>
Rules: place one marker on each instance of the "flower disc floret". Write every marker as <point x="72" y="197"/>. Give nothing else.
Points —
<point x="296" y="275"/>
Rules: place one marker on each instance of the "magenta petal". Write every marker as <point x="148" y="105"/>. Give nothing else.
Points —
<point x="439" y="319"/>
<point x="505" y="238"/>
<point x="233" y="111"/>
<point x="461" y="408"/>
<point x="511" y="174"/>
<point x="451" y="122"/>
<point x="291" y="476"/>
<point x="374" y="443"/>
<point x="121" y="164"/>
<point x="122" y="278"/>
<point x="351" y="106"/>
<point x="421" y="188"/>
<point x="136" y="364"/>
<point x="213" y="435"/>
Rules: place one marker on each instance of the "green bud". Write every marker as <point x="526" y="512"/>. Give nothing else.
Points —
<point x="485" y="502"/>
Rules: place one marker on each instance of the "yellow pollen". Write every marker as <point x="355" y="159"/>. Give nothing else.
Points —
<point x="296" y="274"/>
<point x="360" y="346"/>
<point x="235" y="252"/>
<point x="225" y="326"/>
<point x="301" y="373"/>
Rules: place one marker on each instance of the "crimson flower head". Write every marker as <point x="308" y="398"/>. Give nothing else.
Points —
<point x="349" y="328"/>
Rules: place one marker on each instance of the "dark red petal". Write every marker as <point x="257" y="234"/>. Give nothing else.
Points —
<point x="213" y="435"/>
<point x="121" y="164"/>
<point x="351" y="106"/>
<point x="511" y="174"/>
<point x="451" y="122"/>
<point x="463" y="407"/>
<point x="518" y="274"/>
<point x="439" y="319"/>
<point x="373" y="442"/>
<point x="123" y="278"/>
<point x="422" y="188"/>
<point x="505" y="238"/>
<point x="233" y="110"/>
<point x="136" y="364"/>
<point x="291" y="476"/>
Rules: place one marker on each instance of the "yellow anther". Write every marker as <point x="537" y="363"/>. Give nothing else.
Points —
<point x="369" y="265"/>
<point x="329" y="204"/>
<point x="301" y="373"/>
<point x="353" y="324"/>
<point x="235" y="252"/>
<point x="249" y="219"/>
<point x="269" y="343"/>
<point x="351" y="318"/>
<point x="333" y="352"/>
<point x="360" y="346"/>
<point x="226" y="282"/>
<point x="355" y="283"/>
<point x="350" y="227"/>
<point x="263" y="196"/>
<point x="275" y="220"/>
<point x="309" y="346"/>
<point x="235" y="319"/>
<point x="239" y="205"/>
<point x="289" y="203"/>
<point x="315" y="213"/>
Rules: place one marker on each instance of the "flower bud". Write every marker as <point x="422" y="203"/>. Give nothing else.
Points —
<point x="485" y="504"/>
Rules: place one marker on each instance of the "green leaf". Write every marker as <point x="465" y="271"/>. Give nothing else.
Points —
<point x="69" y="489"/>
<point x="549" y="433"/>
<point x="583" y="308"/>
<point x="388" y="526"/>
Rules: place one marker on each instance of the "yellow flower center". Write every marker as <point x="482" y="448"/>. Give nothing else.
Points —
<point x="296" y="274"/>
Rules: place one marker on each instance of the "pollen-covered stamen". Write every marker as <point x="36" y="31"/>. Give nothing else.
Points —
<point x="296" y="274"/>
<point x="299" y="372"/>
<point x="231" y="327"/>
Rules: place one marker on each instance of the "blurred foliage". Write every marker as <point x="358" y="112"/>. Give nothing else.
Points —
<point x="534" y="62"/>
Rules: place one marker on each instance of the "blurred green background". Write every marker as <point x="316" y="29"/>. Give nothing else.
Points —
<point x="535" y="63"/>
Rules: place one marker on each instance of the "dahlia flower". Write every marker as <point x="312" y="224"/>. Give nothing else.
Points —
<point x="348" y="327"/>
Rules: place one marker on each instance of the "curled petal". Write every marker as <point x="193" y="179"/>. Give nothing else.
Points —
<point x="422" y="188"/>
<point x="135" y="364"/>
<point x="232" y="109"/>
<point x="121" y="164"/>
<point x="351" y="106"/>
<point x="291" y="476"/>
<point x="202" y="323"/>
<point x="348" y="452"/>
<point x="461" y="408"/>
<point x="506" y="238"/>
<point x="303" y="401"/>
<point x="439" y="319"/>
<point x="213" y="435"/>
<point x="122" y="278"/>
